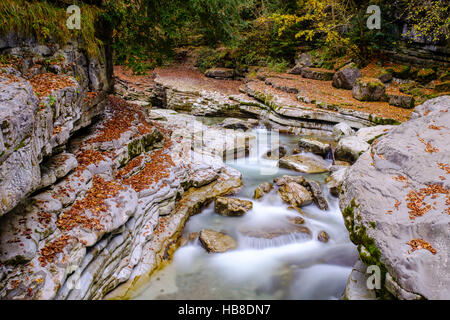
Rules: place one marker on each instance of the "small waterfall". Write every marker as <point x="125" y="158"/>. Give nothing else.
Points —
<point x="258" y="243"/>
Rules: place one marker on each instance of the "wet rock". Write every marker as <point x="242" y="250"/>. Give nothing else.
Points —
<point x="315" y="146"/>
<point x="214" y="241"/>
<point x="369" y="89"/>
<point x="323" y="236"/>
<point x="295" y="194"/>
<point x="286" y="179"/>
<point x="384" y="217"/>
<point x="342" y="129"/>
<point x="220" y="73"/>
<point x="316" y="191"/>
<point x="317" y="74"/>
<point x="305" y="164"/>
<point x="296" y="220"/>
<point x="276" y="153"/>
<point x="232" y="207"/>
<point x="402" y="101"/>
<point x="346" y="77"/>
<point x="262" y="189"/>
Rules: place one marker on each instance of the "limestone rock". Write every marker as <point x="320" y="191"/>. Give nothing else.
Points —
<point x="323" y="236"/>
<point x="316" y="191"/>
<point x="317" y="74"/>
<point x="220" y="73"/>
<point x="368" y="89"/>
<point x="350" y="148"/>
<point x="286" y="179"/>
<point x="346" y="77"/>
<point x="356" y="288"/>
<point x="232" y="207"/>
<point x="315" y="146"/>
<point x="295" y="194"/>
<point x="402" y="101"/>
<point x="342" y="129"/>
<point x="334" y="182"/>
<point x="262" y="189"/>
<point x="214" y="241"/>
<point x="305" y="164"/>
<point x="390" y="227"/>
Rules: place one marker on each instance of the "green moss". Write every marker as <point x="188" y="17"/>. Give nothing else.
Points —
<point x="45" y="20"/>
<point x="373" y="224"/>
<point x="378" y="136"/>
<point x="21" y="145"/>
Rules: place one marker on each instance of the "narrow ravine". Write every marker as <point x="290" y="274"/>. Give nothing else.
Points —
<point x="291" y="265"/>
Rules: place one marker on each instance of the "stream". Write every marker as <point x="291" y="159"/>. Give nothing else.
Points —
<point x="289" y="266"/>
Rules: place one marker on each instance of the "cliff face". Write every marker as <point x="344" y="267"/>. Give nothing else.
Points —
<point x="93" y="192"/>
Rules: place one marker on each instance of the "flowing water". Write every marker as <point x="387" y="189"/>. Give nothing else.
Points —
<point x="288" y="266"/>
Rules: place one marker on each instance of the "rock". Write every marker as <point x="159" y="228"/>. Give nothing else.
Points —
<point x="426" y="75"/>
<point x="220" y="73"/>
<point x="370" y="134"/>
<point x="408" y="237"/>
<point x="369" y="89"/>
<point x="442" y="86"/>
<point x="214" y="241"/>
<point x="193" y="236"/>
<point x="297" y="69"/>
<point x="57" y="167"/>
<point x="350" y="148"/>
<point x="346" y="77"/>
<point x="262" y="189"/>
<point x="323" y="236"/>
<point x="401" y="100"/>
<point x="385" y="77"/>
<point x="400" y="71"/>
<point x="295" y="194"/>
<point x="342" y="129"/>
<point x="315" y="146"/>
<point x="286" y="179"/>
<point x="232" y="207"/>
<point x="235" y="124"/>
<point x="276" y="153"/>
<point x="334" y="182"/>
<point x="317" y="74"/>
<point x="305" y="59"/>
<point x="305" y="164"/>
<point x="356" y="288"/>
<point x="296" y="220"/>
<point x="316" y="192"/>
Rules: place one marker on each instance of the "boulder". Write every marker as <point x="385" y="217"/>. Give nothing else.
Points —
<point x="323" y="236"/>
<point x="400" y="71"/>
<point x="315" y="146"/>
<point x="342" y="129"/>
<point x="220" y="73"/>
<point x="262" y="189"/>
<point x="304" y="61"/>
<point x="232" y="207"/>
<point x="401" y="100"/>
<point x="369" y="89"/>
<point x="385" y="77"/>
<point x="395" y="204"/>
<point x="286" y="179"/>
<point x="305" y="164"/>
<point x="296" y="220"/>
<point x="316" y="191"/>
<point x="350" y="148"/>
<point x="426" y="75"/>
<point x="214" y="241"/>
<point x="295" y="194"/>
<point x="317" y="74"/>
<point x="346" y="77"/>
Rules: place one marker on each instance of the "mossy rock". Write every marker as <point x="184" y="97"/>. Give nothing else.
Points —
<point x="426" y="75"/>
<point x="400" y="71"/>
<point x="442" y="86"/>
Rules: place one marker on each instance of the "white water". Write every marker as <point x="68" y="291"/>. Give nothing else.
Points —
<point x="291" y="266"/>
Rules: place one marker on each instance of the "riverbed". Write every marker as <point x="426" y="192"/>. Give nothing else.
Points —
<point x="289" y="266"/>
